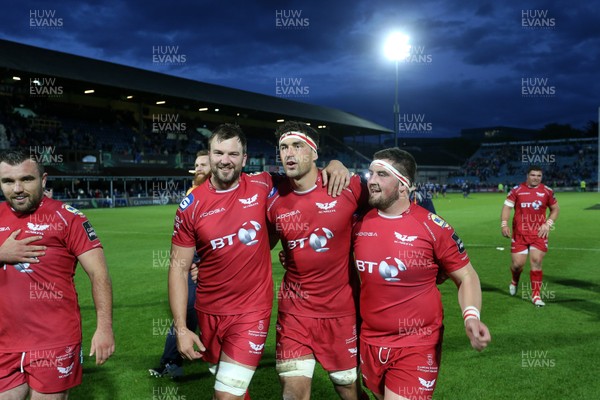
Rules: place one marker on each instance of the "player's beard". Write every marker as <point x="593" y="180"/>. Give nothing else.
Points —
<point x="227" y="176"/>
<point x="30" y="203"/>
<point x="200" y="178"/>
<point x="380" y="202"/>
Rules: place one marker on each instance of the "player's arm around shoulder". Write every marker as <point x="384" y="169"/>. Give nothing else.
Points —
<point x="103" y="341"/>
<point x="336" y="177"/>
<point x="469" y="298"/>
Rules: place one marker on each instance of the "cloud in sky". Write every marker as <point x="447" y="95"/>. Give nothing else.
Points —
<point x="469" y="66"/>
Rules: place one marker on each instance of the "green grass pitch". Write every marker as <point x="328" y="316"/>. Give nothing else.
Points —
<point x="536" y="353"/>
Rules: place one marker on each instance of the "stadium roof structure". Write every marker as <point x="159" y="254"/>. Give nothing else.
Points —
<point x="16" y="57"/>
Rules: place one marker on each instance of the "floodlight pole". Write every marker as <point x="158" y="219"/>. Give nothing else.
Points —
<point x="396" y="111"/>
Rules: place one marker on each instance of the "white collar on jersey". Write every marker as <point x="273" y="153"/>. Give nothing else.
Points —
<point x="306" y="191"/>
<point x="388" y="216"/>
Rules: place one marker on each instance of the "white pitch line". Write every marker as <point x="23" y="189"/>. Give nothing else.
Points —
<point x="135" y="233"/>
<point x="467" y="245"/>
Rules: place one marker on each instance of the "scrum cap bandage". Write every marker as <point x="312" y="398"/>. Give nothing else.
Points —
<point x="299" y="136"/>
<point x="390" y="168"/>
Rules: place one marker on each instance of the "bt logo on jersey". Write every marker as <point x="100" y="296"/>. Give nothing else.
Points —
<point x="317" y="240"/>
<point x="535" y="205"/>
<point x="247" y="235"/>
<point x="388" y="268"/>
<point x="365" y="266"/>
<point x="248" y="232"/>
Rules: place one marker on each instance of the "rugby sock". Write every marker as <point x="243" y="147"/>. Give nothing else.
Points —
<point x="536" y="282"/>
<point x="515" y="276"/>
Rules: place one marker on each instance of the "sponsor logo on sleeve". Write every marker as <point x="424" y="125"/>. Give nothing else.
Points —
<point x="91" y="233"/>
<point x="272" y="192"/>
<point x="436" y="219"/>
<point x="459" y="243"/>
<point x="185" y="203"/>
<point x="72" y="210"/>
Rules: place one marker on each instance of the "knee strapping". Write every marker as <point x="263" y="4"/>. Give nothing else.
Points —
<point x="233" y="378"/>
<point x="343" y="378"/>
<point x="296" y="367"/>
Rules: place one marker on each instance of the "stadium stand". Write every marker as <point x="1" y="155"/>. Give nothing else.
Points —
<point x="565" y="162"/>
<point x="118" y="144"/>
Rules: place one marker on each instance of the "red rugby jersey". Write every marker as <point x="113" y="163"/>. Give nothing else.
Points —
<point x="398" y="260"/>
<point x="315" y="231"/>
<point x="530" y="206"/>
<point x="38" y="305"/>
<point x="229" y="232"/>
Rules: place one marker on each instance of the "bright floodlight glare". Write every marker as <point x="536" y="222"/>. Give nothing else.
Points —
<point x="397" y="47"/>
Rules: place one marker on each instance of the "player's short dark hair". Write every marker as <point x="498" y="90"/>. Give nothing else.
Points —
<point x="296" y="126"/>
<point x="402" y="160"/>
<point x="16" y="157"/>
<point x="226" y="132"/>
<point x="201" y="153"/>
<point x="534" y="168"/>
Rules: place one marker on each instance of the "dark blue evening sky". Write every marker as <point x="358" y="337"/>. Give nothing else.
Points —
<point x="471" y="64"/>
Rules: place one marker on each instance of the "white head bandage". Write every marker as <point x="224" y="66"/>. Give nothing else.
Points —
<point x="299" y="136"/>
<point x="403" y="179"/>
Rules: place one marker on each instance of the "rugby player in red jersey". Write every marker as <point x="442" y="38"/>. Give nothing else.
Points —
<point x="399" y="248"/>
<point x="224" y="220"/>
<point x="530" y="229"/>
<point x="41" y="242"/>
<point x="317" y="309"/>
